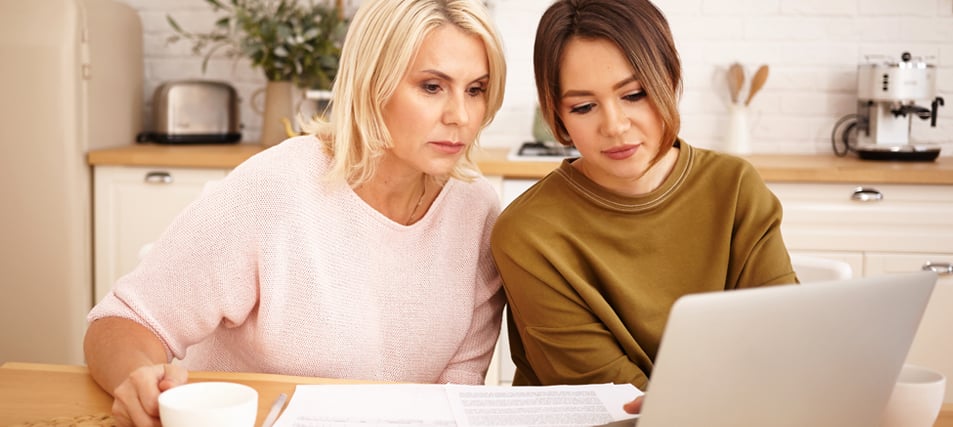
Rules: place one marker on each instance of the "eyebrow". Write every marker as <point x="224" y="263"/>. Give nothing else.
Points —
<point x="444" y="76"/>
<point x="617" y="86"/>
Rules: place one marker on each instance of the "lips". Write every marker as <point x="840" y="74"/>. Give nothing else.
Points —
<point x="448" y="147"/>
<point x="621" y="153"/>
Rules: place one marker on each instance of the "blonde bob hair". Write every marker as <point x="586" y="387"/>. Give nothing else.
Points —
<point x="380" y="46"/>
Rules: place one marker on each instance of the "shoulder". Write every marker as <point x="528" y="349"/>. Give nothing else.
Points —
<point x="478" y="192"/>
<point x="286" y="174"/>
<point x="728" y="177"/>
<point x="711" y="168"/>
<point x="472" y="206"/>
<point x="304" y="150"/>
<point x="538" y="209"/>
<point x="294" y="160"/>
<point x="717" y="162"/>
<point x="552" y="190"/>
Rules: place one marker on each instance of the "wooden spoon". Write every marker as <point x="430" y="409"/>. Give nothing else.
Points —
<point x="736" y="79"/>
<point x="757" y="82"/>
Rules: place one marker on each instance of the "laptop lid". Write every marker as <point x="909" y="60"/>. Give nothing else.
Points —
<point x="822" y="354"/>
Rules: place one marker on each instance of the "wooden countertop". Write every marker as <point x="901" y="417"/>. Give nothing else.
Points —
<point x="187" y="156"/>
<point x="493" y="161"/>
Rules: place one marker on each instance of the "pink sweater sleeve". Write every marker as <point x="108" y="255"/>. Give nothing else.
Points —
<point x="201" y="275"/>
<point x="470" y="363"/>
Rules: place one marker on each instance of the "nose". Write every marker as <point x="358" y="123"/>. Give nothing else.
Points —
<point x="614" y="120"/>
<point x="455" y="111"/>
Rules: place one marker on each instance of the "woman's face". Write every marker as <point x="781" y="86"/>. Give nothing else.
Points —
<point x="438" y="107"/>
<point x="608" y="117"/>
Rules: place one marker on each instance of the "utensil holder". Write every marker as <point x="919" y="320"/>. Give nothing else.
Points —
<point x="738" y="140"/>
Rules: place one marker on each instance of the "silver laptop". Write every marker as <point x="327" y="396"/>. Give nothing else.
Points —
<point x="821" y="354"/>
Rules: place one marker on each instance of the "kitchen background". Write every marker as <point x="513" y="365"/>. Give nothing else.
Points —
<point x="62" y="99"/>
<point x="813" y="48"/>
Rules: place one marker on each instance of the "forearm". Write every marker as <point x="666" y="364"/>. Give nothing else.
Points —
<point x="114" y="347"/>
<point x="583" y="354"/>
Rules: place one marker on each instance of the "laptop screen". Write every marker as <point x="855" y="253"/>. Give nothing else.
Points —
<point x="823" y="354"/>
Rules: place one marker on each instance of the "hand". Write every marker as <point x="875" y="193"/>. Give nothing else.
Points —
<point x="137" y="398"/>
<point x="635" y="406"/>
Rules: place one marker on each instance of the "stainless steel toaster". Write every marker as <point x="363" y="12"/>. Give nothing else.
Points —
<point x="194" y="112"/>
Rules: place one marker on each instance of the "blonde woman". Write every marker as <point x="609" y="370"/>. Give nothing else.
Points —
<point x="360" y="251"/>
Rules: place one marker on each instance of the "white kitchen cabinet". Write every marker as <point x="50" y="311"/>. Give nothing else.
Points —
<point x="858" y="218"/>
<point x="883" y="229"/>
<point x="933" y="344"/>
<point x="132" y="207"/>
<point x="510" y="189"/>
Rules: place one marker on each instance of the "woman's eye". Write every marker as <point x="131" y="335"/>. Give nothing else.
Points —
<point x="581" y="109"/>
<point x="476" y="90"/>
<point x="635" y="96"/>
<point x="431" y="87"/>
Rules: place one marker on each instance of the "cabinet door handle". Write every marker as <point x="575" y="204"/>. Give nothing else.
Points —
<point x="867" y="194"/>
<point x="941" y="268"/>
<point x="158" y="178"/>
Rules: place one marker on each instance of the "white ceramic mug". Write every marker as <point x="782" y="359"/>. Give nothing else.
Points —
<point x="916" y="399"/>
<point x="209" y="404"/>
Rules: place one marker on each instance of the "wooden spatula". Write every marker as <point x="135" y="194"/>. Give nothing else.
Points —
<point x="757" y="82"/>
<point x="736" y="79"/>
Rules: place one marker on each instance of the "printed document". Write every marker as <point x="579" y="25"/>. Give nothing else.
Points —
<point x="451" y="405"/>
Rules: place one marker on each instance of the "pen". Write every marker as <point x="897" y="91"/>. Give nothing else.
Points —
<point x="274" y="411"/>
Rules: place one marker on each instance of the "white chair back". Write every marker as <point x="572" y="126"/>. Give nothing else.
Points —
<point x="816" y="269"/>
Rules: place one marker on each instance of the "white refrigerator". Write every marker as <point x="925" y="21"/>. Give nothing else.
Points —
<point x="71" y="75"/>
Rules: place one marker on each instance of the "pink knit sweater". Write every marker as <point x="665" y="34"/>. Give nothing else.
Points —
<point x="276" y="270"/>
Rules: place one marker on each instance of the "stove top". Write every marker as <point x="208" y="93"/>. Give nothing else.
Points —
<point x="542" y="151"/>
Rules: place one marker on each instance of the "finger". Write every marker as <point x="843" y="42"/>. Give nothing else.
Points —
<point x="127" y="408"/>
<point x="145" y="382"/>
<point x="120" y="416"/>
<point x="172" y="376"/>
<point x="635" y="406"/>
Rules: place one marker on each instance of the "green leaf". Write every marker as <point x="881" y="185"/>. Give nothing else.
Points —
<point x="286" y="39"/>
<point x="175" y="25"/>
<point x="312" y="33"/>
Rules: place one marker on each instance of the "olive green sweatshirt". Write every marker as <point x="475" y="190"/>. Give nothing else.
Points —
<point x="590" y="275"/>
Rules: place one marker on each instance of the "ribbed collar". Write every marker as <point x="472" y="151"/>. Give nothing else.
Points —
<point x="601" y="196"/>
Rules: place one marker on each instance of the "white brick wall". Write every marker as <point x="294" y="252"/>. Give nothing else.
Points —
<point x="812" y="46"/>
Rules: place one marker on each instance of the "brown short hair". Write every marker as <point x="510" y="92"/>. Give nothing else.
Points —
<point x="641" y="32"/>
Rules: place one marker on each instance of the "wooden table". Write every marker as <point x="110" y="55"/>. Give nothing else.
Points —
<point x="34" y="392"/>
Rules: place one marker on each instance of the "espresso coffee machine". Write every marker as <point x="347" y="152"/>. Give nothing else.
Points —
<point x="890" y="95"/>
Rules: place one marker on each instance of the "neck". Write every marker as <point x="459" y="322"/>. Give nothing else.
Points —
<point x="423" y="192"/>
<point x="649" y="180"/>
<point x="401" y="200"/>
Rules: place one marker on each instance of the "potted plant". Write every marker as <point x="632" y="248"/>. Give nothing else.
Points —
<point x="293" y="42"/>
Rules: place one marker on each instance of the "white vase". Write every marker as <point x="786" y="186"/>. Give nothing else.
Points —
<point x="738" y="140"/>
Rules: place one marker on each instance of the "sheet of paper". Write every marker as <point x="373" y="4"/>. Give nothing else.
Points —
<point x="454" y="405"/>
<point x="584" y="405"/>
<point x="367" y="404"/>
